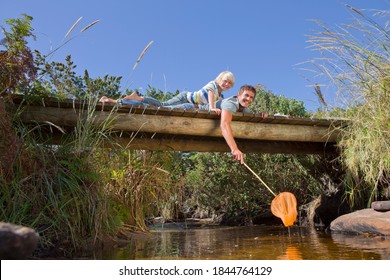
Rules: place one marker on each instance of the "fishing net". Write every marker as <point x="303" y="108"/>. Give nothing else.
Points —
<point x="283" y="206"/>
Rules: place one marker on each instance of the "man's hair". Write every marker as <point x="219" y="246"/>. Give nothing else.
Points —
<point x="247" y="87"/>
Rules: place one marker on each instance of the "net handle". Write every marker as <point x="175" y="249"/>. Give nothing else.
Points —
<point x="257" y="176"/>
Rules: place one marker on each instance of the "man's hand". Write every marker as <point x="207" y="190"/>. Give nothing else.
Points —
<point x="238" y="155"/>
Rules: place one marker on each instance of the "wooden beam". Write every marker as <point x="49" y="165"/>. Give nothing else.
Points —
<point x="200" y="145"/>
<point x="183" y="125"/>
<point x="140" y="141"/>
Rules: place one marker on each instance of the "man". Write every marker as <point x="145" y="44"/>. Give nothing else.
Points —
<point x="239" y="103"/>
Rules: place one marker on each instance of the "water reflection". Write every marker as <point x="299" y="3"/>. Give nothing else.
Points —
<point x="380" y="244"/>
<point x="249" y="243"/>
<point x="292" y="253"/>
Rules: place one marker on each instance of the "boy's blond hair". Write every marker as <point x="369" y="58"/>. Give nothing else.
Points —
<point x="226" y="75"/>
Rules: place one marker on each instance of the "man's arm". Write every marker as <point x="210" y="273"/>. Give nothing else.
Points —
<point x="227" y="132"/>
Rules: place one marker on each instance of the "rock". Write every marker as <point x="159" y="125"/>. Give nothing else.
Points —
<point x="381" y="205"/>
<point x="17" y="242"/>
<point x="366" y="221"/>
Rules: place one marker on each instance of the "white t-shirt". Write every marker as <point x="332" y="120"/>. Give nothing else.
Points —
<point x="202" y="96"/>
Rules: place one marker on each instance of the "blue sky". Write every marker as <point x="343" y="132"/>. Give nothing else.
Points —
<point x="261" y="42"/>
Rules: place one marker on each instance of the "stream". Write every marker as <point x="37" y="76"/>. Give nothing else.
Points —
<point x="176" y="241"/>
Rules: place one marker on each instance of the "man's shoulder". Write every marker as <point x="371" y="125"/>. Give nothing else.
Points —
<point x="233" y="105"/>
<point x="230" y="104"/>
<point x="232" y="99"/>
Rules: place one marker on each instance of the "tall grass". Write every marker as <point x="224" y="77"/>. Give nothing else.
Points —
<point x="355" y="59"/>
<point x="140" y="186"/>
<point x="85" y="188"/>
<point x="55" y="188"/>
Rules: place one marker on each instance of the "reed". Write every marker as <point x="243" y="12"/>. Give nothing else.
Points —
<point x="73" y="26"/>
<point x="89" y="25"/>
<point x="142" y="54"/>
<point x="355" y="61"/>
<point x="51" y="53"/>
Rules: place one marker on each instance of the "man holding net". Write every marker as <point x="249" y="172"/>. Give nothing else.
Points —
<point x="239" y="103"/>
<point x="284" y="205"/>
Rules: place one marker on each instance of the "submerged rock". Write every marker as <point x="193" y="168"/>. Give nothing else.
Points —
<point x="366" y="221"/>
<point x="17" y="242"/>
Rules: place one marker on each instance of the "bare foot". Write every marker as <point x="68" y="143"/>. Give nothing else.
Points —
<point x="134" y="96"/>
<point x="106" y="99"/>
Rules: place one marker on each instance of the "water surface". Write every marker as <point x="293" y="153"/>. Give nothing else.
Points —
<point x="249" y="243"/>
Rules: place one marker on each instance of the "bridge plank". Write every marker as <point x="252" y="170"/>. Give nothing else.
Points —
<point x="184" y="125"/>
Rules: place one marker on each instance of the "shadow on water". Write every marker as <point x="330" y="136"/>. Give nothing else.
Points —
<point x="249" y="243"/>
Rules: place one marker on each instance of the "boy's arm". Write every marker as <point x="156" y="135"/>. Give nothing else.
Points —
<point x="212" y="102"/>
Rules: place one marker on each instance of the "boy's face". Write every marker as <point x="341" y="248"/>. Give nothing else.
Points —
<point x="246" y="98"/>
<point x="225" y="84"/>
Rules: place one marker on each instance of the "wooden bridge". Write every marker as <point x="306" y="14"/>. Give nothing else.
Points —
<point x="159" y="128"/>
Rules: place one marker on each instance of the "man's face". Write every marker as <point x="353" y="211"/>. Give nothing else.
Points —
<point x="246" y="98"/>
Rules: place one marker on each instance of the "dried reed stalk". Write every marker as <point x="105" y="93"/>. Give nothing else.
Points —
<point x="89" y="25"/>
<point x="73" y="27"/>
<point x="318" y="91"/>
<point x="142" y="54"/>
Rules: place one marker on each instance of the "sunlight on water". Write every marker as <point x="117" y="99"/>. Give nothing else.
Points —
<point x="250" y="243"/>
